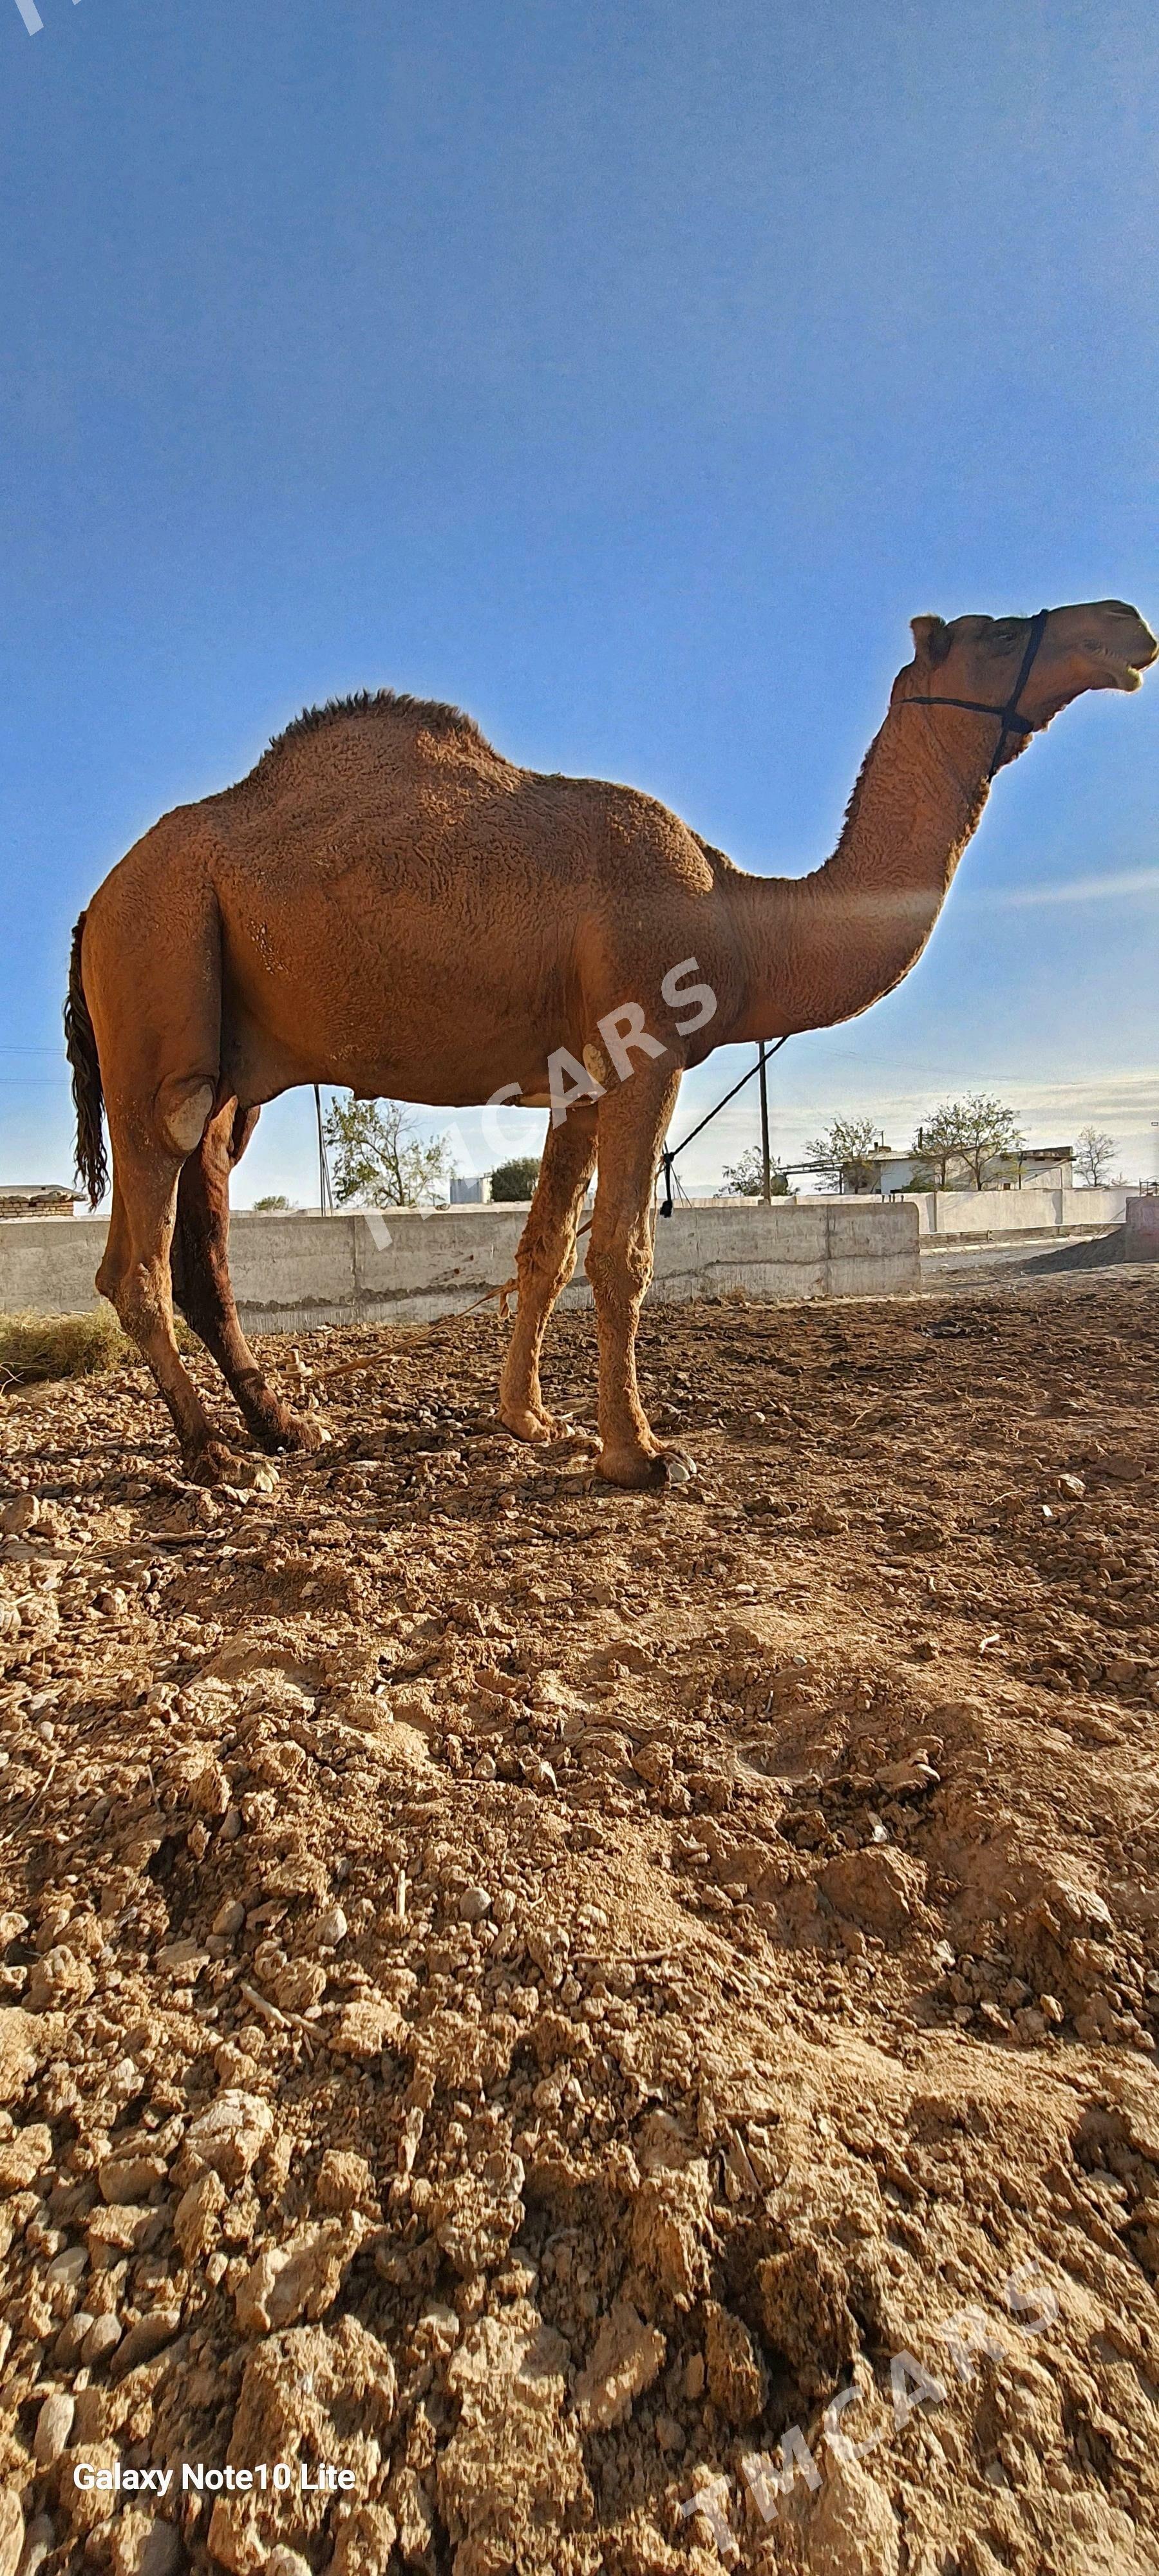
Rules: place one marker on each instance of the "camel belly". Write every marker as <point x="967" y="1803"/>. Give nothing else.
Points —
<point x="387" y="1006"/>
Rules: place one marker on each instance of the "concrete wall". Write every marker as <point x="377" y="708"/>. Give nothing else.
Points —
<point x="948" y="1213"/>
<point x="1142" y="1229"/>
<point x="407" y="1265"/>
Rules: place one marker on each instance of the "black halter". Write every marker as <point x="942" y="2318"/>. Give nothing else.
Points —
<point x="1008" y="715"/>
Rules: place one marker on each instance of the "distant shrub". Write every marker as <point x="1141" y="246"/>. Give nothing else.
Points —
<point x="36" y="1347"/>
<point x="515" y="1180"/>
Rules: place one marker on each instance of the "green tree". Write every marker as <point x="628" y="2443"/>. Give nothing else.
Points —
<point x="746" y="1179"/>
<point x="842" y="1153"/>
<point x="516" y="1179"/>
<point x="270" y="1206"/>
<point x="981" y="1127"/>
<point x="1094" y="1155"/>
<point x="377" y="1158"/>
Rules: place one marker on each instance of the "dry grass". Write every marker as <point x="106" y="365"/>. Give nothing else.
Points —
<point x="34" y="1348"/>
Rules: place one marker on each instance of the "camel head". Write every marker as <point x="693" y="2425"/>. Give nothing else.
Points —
<point x="1102" y="644"/>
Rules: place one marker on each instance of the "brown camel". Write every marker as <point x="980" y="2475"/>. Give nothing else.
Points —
<point x="386" y="903"/>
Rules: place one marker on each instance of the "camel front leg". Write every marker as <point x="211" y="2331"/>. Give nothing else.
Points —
<point x="544" y="1263"/>
<point x="633" y="1122"/>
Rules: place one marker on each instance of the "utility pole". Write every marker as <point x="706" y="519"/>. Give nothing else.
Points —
<point x="766" y="1174"/>
<point x="325" y="1192"/>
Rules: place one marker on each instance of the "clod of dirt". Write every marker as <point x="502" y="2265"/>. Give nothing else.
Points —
<point x="879" y="1890"/>
<point x="299" y="2279"/>
<point x="738" y="2381"/>
<point x="314" y="2393"/>
<point x="512" y="2471"/>
<point x="627" y="2356"/>
<point x="227" y="2138"/>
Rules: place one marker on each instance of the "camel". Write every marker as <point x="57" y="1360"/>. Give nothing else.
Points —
<point x="386" y="903"/>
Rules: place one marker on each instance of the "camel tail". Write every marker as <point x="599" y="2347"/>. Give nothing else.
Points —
<point x="81" y="1047"/>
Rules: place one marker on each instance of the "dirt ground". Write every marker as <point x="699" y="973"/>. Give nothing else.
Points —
<point x="622" y="2025"/>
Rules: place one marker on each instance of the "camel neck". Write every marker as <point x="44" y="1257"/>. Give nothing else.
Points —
<point x="823" y="947"/>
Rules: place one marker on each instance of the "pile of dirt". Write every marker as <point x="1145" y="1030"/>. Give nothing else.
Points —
<point x="612" y="2032"/>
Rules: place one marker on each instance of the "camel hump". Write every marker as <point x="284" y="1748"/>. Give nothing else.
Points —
<point x="395" y="714"/>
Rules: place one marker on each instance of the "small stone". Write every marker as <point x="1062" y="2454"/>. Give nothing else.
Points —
<point x="39" y="2543"/>
<point x="149" y="2336"/>
<point x="53" y="2426"/>
<point x="183" y="1960"/>
<point x="330" y="1929"/>
<point x="195" y="2219"/>
<point x="914" y="1772"/>
<point x="145" y="2546"/>
<point x="1073" y="1486"/>
<point x="11" y="2532"/>
<point x="128" y="2178"/>
<point x="101" y="2339"/>
<point x="229" y="1919"/>
<point x="474" y="1903"/>
<point x="21" y="1514"/>
<point x="874" y="1888"/>
<point x="66" y="2349"/>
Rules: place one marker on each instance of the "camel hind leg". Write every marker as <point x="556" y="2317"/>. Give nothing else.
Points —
<point x="204" y="1290"/>
<point x="149" y="977"/>
<point x="134" y="1276"/>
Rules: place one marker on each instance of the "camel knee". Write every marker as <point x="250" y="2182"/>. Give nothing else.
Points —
<point x="543" y="1270"/>
<point x="139" y="1299"/>
<point x="108" y="1279"/>
<point x="620" y="1269"/>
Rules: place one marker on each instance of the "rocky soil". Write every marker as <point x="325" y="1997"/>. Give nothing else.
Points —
<point x="622" y="2025"/>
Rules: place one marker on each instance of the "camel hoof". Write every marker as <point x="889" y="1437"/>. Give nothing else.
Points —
<point x="211" y="1463"/>
<point x="523" y="1424"/>
<point x="303" y="1432"/>
<point x="643" y="1471"/>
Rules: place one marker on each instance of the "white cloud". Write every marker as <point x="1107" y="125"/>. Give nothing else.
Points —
<point x="1130" y="882"/>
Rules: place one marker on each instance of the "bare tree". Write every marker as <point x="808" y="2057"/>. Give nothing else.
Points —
<point x="938" y="1144"/>
<point x="1093" y="1155"/>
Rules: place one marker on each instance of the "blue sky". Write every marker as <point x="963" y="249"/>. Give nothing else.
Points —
<point x="630" y="374"/>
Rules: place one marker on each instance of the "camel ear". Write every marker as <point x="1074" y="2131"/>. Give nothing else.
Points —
<point x="931" y="639"/>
